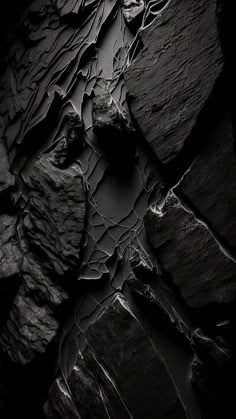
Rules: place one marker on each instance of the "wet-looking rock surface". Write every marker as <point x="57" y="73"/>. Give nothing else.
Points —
<point x="117" y="209"/>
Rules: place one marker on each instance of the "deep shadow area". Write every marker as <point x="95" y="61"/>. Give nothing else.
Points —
<point x="11" y="12"/>
<point x="23" y="389"/>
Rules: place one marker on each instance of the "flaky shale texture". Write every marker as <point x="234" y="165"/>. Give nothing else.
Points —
<point x="117" y="209"/>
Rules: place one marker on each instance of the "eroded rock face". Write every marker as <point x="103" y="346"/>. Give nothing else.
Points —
<point x="32" y="324"/>
<point x="7" y="180"/>
<point x="52" y="228"/>
<point x="121" y="372"/>
<point x="11" y="256"/>
<point x="11" y="260"/>
<point x="57" y="205"/>
<point x="185" y="248"/>
<point x="174" y="74"/>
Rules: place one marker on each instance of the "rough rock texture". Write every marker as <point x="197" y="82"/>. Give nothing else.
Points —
<point x="118" y="375"/>
<point x="102" y="311"/>
<point x="11" y="256"/>
<point x="32" y="324"/>
<point x="7" y="180"/>
<point x="11" y="259"/>
<point x="186" y="250"/>
<point x="211" y="182"/>
<point x="174" y="74"/>
<point x="54" y="218"/>
<point x="52" y="230"/>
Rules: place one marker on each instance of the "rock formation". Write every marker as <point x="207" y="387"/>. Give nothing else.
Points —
<point x="117" y="218"/>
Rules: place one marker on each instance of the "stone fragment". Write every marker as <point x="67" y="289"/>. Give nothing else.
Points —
<point x="211" y="183"/>
<point x="132" y="9"/>
<point x="118" y="374"/>
<point x="174" y="74"/>
<point x="109" y="117"/>
<point x="190" y="256"/>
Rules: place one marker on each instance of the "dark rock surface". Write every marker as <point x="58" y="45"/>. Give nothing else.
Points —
<point x="211" y="371"/>
<point x="185" y="249"/>
<point x="54" y="218"/>
<point x="7" y="180"/>
<point x="174" y="74"/>
<point x="113" y="127"/>
<point x="109" y="117"/>
<point x="142" y="268"/>
<point x="118" y="375"/>
<point x="11" y="260"/>
<point x="105" y="314"/>
<point x="152" y="303"/>
<point x="32" y="324"/>
<point x="52" y="228"/>
<point x="72" y="143"/>
<point x="211" y="182"/>
<point x="11" y="256"/>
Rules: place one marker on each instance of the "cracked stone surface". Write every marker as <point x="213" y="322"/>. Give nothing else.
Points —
<point x="116" y="302"/>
